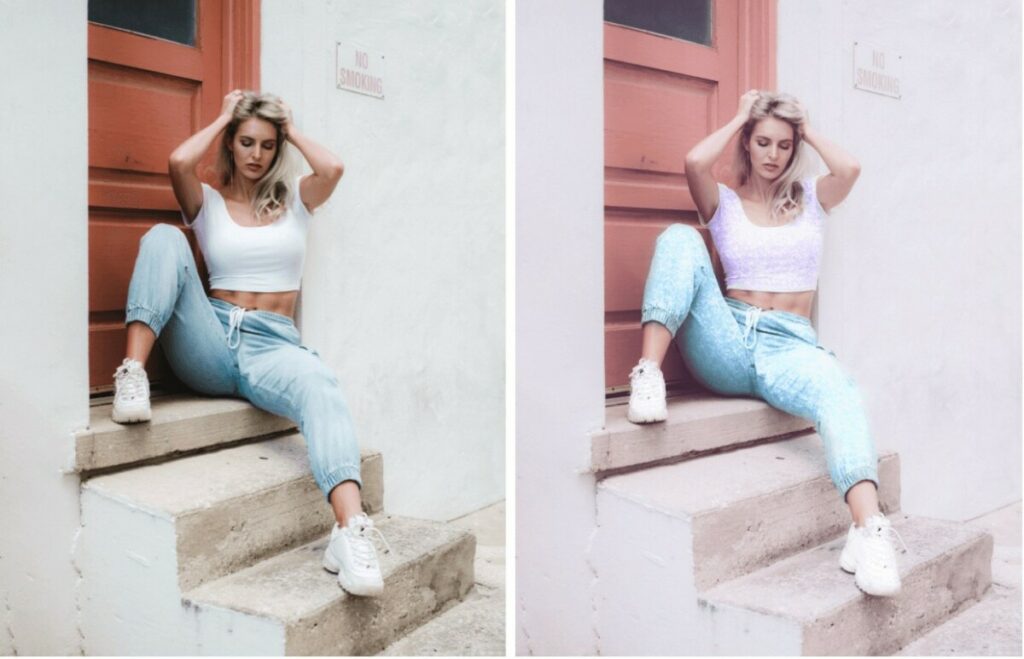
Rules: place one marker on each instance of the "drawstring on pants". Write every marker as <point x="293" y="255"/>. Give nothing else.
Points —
<point x="750" y="327"/>
<point x="235" y="326"/>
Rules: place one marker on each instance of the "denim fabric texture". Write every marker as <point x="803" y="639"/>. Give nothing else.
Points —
<point x="737" y="349"/>
<point x="222" y="350"/>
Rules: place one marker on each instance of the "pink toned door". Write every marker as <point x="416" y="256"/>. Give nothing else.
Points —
<point x="158" y="70"/>
<point x="673" y="72"/>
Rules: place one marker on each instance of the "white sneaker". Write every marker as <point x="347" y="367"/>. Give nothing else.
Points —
<point x="647" y="393"/>
<point x="131" y="393"/>
<point x="870" y="556"/>
<point x="351" y="555"/>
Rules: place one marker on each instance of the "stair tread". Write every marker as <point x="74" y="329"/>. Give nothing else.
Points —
<point x="181" y="422"/>
<point x="809" y="585"/>
<point x="203" y="480"/>
<point x="686" y="489"/>
<point x="697" y="422"/>
<point x="293" y="585"/>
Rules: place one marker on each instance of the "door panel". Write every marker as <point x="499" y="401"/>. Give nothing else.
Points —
<point x="662" y="96"/>
<point x="146" y="96"/>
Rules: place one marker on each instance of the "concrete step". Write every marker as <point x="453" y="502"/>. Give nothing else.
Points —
<point x="806" y="605"/>
<point x="697" y="423"/>
<point x="667" y="533"/>
<point x="290" y="605"/>
<point x="181" y="424"/>
<point x="474" y="627"/>
<point x="992" y="627"/>
<point x="223" y="509"/>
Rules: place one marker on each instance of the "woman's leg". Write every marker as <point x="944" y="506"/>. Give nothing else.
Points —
<point x="682" y="293"/>
<point x="807" y="381"/>
<point x="293" y="382"/>
<point x="166" y="299"/>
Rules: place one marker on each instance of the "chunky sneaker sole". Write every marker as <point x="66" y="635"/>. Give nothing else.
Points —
<point x="332" y="566"/>
<point x="890" y="590"/>
<point x="131" y="413"/>
<point x="647" y="415"/>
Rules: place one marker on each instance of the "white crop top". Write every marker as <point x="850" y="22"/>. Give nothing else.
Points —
<point x="780" y="259"/>
<point x="260" y="259"/>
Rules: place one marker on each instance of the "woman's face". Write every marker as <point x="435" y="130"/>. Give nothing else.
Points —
<point x="770" y="147"/>
<point x="254" y="148"/>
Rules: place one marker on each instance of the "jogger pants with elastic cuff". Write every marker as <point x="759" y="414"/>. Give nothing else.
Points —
<point x="222" y="350"/>
<point x="737" y="349"/>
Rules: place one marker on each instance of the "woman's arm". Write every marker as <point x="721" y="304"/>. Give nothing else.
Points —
<point x="316" y="188"/>
<point x="703" y="156"/>
<point x="843" y="169"/>
<point x="184" y="160"/>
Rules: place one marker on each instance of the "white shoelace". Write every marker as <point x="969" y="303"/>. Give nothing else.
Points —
<point x="750" y="326"/>
<point x="886" y="536"/>
<point x="131" y="381"/>
<point x="362" y="544"/>
<point x="642" y="380"/>
<point x="235" y="326"/>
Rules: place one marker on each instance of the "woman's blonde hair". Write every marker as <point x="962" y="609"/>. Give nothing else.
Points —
<point x="273" y="191"/>
<point x="785" y="193"/>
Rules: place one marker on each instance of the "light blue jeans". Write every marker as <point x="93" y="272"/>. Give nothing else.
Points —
<point x="737" y="349"/>
<point x="219" y="350"/>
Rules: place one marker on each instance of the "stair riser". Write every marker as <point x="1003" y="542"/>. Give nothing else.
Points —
<point x="226" y="538"/>
<point x="745" y="537"/>
<point x="229" y="535"/>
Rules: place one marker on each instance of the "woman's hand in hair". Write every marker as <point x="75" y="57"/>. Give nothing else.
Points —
<point x="230" y="101"/>
<point x="746" y="103"/>
<point x="288" y="125"/>
<point x="806" y="124"/>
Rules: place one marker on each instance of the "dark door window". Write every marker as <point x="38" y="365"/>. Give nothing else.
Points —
<point x="682" y="19"/>
<point x="174" y="20"/>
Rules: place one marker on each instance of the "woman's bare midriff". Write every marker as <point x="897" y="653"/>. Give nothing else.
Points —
<point x="798" y="303"/>
<point x="280" y="303"/>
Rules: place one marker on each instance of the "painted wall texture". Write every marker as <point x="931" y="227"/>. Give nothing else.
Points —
<point x="920" y="290"/>
<point x="403" y="291"/>
<point x="43" y="289"/>
<point x="559" y="316"/>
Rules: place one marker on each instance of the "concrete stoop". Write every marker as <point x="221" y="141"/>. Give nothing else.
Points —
<point x="806" y="605"/>
<point x="736" y="551"/>
<point x="209" y="541"/>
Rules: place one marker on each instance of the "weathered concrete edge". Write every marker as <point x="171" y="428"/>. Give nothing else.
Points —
<point x="642" y="446"/>
<point x="193" y="527"/>
<point x="115" y="446"/>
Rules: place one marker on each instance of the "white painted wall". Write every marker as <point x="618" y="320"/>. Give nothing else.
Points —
<point x="559" y="318"/>
<point x="920" y="292"/>
<point x="43" y="291"/>
<point x="404" y="284"/>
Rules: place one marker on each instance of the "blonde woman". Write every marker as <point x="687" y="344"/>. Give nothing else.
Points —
<point x="241" y="340"/>
<point x="757" y="340"/>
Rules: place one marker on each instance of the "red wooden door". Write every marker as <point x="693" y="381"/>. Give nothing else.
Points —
<point x="672" y="75"/>
<point x="154" y="79"/>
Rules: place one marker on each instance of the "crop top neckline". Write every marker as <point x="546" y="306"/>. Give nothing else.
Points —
<point x="227" y="212"/>
<point x="743" y="212"/>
